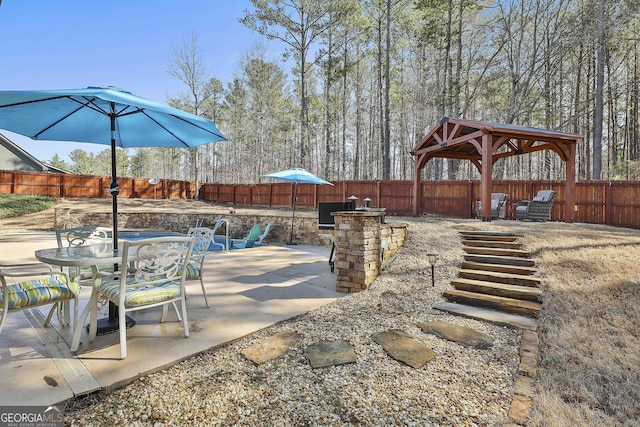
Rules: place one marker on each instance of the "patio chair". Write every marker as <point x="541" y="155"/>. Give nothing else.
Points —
<point x="153" y="274"/>
<point x="247" y="242"/>
<point x="498" y="206"/>
<point x="81" y="236"/>
<point x="538" y="208"/>
<point x="222" y="246"/>
<point x="35" y="285"/>
<point x="195" y="267"/>
<point x="260" y="240"/>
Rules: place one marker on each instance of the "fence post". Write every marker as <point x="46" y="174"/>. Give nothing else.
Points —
<point x="607" y="203"/>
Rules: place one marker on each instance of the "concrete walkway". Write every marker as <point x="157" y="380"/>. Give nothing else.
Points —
<point x="248" y="290"/>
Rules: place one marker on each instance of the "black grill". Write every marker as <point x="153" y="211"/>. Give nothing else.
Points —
<point x="325" y="219"/>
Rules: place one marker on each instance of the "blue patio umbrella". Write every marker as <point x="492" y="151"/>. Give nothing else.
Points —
<point x="108" y="116"/>
<point x="297" y="176"/>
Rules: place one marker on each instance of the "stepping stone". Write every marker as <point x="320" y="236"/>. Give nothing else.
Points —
<point x="404" y="348"/>
<point x="462" y="335"/>
<point x="330" y="353"/>
<point x="271" y="348"/>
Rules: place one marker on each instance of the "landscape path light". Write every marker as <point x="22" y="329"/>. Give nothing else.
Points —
<point x="433" y="258"/>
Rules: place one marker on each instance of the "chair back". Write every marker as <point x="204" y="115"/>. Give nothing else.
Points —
<point x="149" y="260"/>
<point x="80" y="236"/>
<point x="260" y="240"/>
<point x="545" y="196"/>
<point x="203" y="237"/>
<point x="254" y="233"/>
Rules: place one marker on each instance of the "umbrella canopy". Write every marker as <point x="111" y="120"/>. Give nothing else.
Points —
<point x="85" y="115"/>
<point x="296" y="175"/>
<point x="108" y="116"/>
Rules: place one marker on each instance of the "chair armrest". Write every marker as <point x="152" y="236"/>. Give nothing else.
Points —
<point x="27" y="269"/>
<point x="33" y="274"/>
<point x="523" y="203"/>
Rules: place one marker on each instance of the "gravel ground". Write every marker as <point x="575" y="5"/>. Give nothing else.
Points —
<point x="459" y="387"/>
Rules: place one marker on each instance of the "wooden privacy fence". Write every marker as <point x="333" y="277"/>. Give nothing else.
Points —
<point x="86" y="186"/>
<point x="597" y="202"/>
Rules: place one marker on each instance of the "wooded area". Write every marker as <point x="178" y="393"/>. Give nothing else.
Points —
<point x="361" y="82"/>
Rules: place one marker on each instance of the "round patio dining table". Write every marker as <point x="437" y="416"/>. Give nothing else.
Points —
<point x="93" y="256"/>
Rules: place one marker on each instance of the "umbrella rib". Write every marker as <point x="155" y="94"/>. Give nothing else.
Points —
<point x="37" y="135"/>
<point x="173" y="134"/>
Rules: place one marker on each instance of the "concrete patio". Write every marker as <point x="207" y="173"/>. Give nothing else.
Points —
<point x="247" y="289"/>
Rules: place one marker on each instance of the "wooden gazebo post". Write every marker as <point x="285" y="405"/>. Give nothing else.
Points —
<point x="570" y="184"/>
<point x="486" y="180"/>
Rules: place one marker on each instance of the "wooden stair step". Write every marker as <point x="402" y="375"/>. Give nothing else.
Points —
<point x="498" y="277"/>
<point x="500" y="260"/>
<point x="496" y="252"/>
<point x="488" y="233"/>
<point x="490" y="238"/>
<point x="509" y="305"/>
<point x="492" y="244"/>
<point x="523" y="271"/>
<point x="499" y="289"/>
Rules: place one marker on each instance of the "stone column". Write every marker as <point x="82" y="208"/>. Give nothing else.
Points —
<point x="358" y="250"/>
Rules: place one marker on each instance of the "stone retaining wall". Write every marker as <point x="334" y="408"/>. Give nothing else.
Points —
<point x="305" y="227"/>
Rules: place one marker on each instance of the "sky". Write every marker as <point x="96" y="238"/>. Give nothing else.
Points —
<point x="72" y="44"/>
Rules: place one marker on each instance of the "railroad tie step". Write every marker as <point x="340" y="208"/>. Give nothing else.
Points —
<point x="492" y="244"/>
<point x="498" y="289"/>
<point x="509" y="305"/>
<point x="496" y="252"/>
<point x="500" y="260"/>
<point x="499" y="277"/>
<point x="488" y="233"/>
<point x="512" y="269"/>
<point x="490" y="238"/>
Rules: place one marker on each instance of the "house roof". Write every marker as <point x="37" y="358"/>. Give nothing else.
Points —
<point x="12" y="157"/>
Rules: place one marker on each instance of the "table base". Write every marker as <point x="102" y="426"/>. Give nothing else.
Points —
<point x="107" y="326"/>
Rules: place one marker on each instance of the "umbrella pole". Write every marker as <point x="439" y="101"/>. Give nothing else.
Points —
<point x="111" y="324"/>
<point x="295" y="197"/>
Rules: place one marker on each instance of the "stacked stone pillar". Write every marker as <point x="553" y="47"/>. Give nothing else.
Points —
<point x="358" y="256"/>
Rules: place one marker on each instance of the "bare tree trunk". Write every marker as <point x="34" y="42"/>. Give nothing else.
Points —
<point x="386" y="143"/>
<point x="599" y="102"/>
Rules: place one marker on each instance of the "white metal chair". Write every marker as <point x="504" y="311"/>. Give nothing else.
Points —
<point x="153" y="274"/>
<point x="81" y="236"/>
<point x="34" y="285"/>
<point x="195" y="267"/>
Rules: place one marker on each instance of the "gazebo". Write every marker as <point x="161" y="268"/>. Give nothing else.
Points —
<point x="483" y="144"/>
